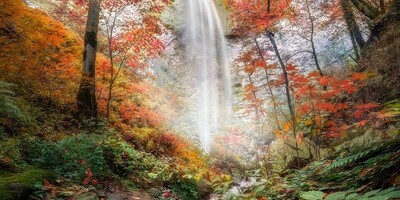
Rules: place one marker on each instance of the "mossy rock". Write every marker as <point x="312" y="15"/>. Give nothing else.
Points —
<point x="21" y="185"/>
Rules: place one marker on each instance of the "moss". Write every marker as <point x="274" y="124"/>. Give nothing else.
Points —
<point x="22" y="183"/>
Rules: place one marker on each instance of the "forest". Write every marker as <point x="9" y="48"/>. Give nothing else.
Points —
<point x="200" y="99"/>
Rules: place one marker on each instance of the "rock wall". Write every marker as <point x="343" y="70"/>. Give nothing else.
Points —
<point x="382" y="59"/>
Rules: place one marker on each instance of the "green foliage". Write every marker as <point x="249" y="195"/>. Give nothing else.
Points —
<point x="336" y="195"/>
<point x="10" y="156"/>
<point x="125" y="161"/>
<point x="312" y="195"/>
<point x="104" y="154"/>
<point x="233" y="196"/>
<point x="372" y="153"/>
<point x="389" y="193"/>
<point x="371" y="168"/>
<point x="347" y="160"/>
<point x="222" y="184"/>
<point x="372" y="165"/>
<point x="392" y="108"/>
<point x="39" y="191"/>
<point x="7" y="105"/>
<point x="69" y="157"/>
<point x="186" y="188"/>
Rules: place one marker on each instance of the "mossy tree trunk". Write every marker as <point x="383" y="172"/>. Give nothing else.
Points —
<point x="87" y="104"/>
<point x="354" y="30"/>
<point x="366" y="9"/>
<point x="391" y="16"/>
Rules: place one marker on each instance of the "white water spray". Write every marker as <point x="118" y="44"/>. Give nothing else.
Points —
<point x="206" y="54"/>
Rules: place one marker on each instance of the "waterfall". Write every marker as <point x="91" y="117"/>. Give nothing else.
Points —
<point x="206" y="54"/>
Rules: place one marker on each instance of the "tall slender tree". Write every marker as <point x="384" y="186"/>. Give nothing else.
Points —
<point x="354" y="31"/>
<point x="87" y="104"/>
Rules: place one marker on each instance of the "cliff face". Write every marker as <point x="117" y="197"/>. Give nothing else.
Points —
<point x="382" y="58"/>
<point x="223" y="15"/>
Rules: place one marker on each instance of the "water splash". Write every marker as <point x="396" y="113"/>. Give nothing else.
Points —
<point x="206" y="54"/>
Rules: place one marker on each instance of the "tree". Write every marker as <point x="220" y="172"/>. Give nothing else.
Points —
<point x="111" y="13"/>
<point x="366" y="8"/>
<point x="267" y="85"/>
<point x="311" y="37"/>
<point x="257" y="18"/>
<point x="254" y="19"/>
<point x="87" y="104"/>
<point x="354" y="31"/>
<point x="129" y="42"/>
<point x="129" y="28"/>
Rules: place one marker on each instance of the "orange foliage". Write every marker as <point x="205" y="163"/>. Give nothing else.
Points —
<point x="251" y="16"/>
<point x="131" y="113"/>
<point x="38" y="53"/>
<point x="190" y="157"/>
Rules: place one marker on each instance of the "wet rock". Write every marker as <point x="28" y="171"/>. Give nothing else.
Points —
<point x="158" y="183"/>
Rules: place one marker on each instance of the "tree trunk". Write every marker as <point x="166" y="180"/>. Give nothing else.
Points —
<point x="271" y="93"/>
<point x="285" y="74"/>
<point x="287" y="87"/>
<point x="256" y="111"/>
<point x="87" y="104"/>
<point x="314" y="51"/>
<point x="366" y="9"/>
<point x="382" y="6"/>
<point x="354" y="30"/>
<point x="111" y="58"/>
<point x="355" y="47"/>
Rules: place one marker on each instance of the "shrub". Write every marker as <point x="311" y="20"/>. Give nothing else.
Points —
<point x="186" y="188"/>
<point x="125" y="161"/>
<point x="10" y="156"/>
<point x="154" y="141"/>
<point x="70" y="157"/>
<point x="7" y="106"/>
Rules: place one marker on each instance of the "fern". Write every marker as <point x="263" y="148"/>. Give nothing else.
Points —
<point x="392" y="108"/>
<point x="7" y="105"/>
<point x="389" y="193"/>
<point x="370" y="150"/>
<point x="347" y="160"/>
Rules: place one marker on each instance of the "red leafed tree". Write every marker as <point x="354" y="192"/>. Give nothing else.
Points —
<point x="312" y="100"/>
<point x="322" y="108"/>
<point x="130" y="42"/>
<point x="260" y="17"/>
<point x="254" y="16"/>
<point x="130" y="28"/>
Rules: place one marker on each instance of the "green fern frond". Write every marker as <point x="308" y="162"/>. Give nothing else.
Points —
<point x="7" y="106"/>
<point x="392" y="107"/>
<point x="347" y="160"/>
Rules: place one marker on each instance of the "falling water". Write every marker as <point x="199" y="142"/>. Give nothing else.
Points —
<point x="206" y="54"/>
